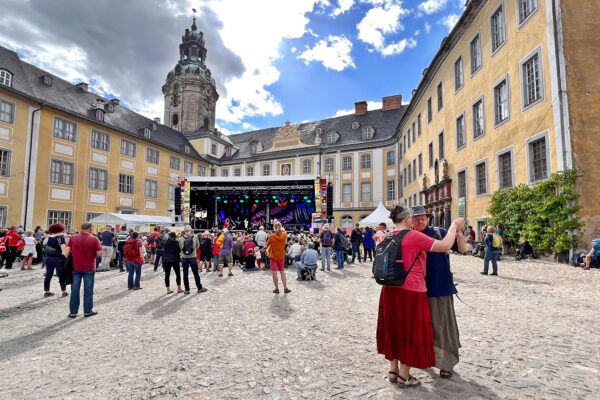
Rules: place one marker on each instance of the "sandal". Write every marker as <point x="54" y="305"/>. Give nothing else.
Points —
<point x="407" y="383"/>
<point x="445" y="374"/>
<point x="276" y="291"/>
<point x="394" y="379"/>
<point x="169" y="291"/>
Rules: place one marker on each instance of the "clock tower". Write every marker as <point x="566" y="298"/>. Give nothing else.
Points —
<point x="190" y="92"/>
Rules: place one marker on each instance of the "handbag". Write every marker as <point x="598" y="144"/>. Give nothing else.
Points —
<point x="66" y="275"/>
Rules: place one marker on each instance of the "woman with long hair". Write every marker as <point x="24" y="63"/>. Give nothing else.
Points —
<point x="404" y="331"/>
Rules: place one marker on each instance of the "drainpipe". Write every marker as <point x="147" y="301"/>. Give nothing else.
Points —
<point x="27" y="183"/>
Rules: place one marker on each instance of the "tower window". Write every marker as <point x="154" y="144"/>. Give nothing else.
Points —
<point x="206" y="122"/>
<point x="175" y="120"/>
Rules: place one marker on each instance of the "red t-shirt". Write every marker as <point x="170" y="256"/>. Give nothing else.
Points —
<point x="412" y="243"/>
<point x="84" y="247"/>
<point x="13" y="238"/>
<point x="155" y="235"/>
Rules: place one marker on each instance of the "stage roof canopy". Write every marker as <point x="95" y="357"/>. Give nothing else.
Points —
<point x="381" y="214"/>
<point x="130" y="219"/>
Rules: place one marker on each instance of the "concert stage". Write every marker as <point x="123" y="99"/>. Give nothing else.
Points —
<point x="248" y="202"/>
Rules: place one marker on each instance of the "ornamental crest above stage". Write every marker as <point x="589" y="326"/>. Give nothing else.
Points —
<point x="287" y="136"/>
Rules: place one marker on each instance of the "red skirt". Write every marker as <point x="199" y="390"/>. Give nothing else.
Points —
<point x="404" y="330"/>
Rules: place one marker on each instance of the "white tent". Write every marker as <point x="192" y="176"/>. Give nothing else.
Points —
<point x="131" y="220"/>
<point x="381" y="214"/>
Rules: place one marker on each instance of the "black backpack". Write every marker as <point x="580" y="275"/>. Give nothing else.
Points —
<point x="388" y="266"/>
<point x="188" y="245"/>
<point x="160" y="241"/>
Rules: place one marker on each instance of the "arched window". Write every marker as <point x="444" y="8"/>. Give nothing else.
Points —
<point x="206" y="122"/>
<point x="253" y="148"/>
<point x="347" y="221"/>
<point x="175" y="120"/>
<point x="5" y="77"/>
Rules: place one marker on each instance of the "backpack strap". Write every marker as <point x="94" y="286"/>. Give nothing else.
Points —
<point x="401" y="236"/>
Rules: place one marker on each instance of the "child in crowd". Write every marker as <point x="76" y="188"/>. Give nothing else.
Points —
<point x="29" y="250"/>
<point x="257" y="256"/>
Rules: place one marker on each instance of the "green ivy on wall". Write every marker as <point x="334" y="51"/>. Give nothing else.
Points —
<point x="544" y="213"/>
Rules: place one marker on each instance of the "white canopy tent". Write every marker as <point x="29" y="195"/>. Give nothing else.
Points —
<point x="381" y="214"/>
<point x="135" y="221"/>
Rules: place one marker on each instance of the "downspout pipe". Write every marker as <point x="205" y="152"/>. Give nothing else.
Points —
<point x="29" y="159"/>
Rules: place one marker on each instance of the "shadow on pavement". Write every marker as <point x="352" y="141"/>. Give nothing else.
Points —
<point x="280" y="306"/>
<point x="26" y="306"/>
<point x="316" y="284"/>
<point x="112" y="297"/>
<point x="168" y="308"/>
<point x="521" y="280"/>
<point x="150" y="305"/>
<point x="21" y="344"/>
<point x="457" y="387"/>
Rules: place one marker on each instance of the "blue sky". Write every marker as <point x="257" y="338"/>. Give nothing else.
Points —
<point x="273" y="60"/>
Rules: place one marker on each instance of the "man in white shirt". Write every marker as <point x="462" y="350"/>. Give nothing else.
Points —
<point x="294" y="252"/>
<point x="261" y="241"/>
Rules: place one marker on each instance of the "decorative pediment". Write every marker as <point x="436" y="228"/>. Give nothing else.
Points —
<point x="287" y="136"/>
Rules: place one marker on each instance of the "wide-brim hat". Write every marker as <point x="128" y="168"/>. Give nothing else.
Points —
<point x="420" y="210"/>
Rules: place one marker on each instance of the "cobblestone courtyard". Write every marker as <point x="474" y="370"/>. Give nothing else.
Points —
<point x="532" y="332"/>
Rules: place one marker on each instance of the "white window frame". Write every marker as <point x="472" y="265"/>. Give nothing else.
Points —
<point x="504" y="30"/>
<point x="506" y="150"/>
<point x="3" y="215"/>
<point x="128" y="148"/>
<point x="175" y="163"/>
<point x="188" y="167"/>
<point x="5" y="164"/>
<point x="61" y="132"/>
<point x="61" y="173"/>
<point x="213" y="149"/>
<point x="329" y="164"/>
<point x="253" y="147"/>
<point x="482" y="100"/>
<point x="201" y="170"/>
<point x="365" y="161"/>
<point x="249" y="171"/>
<point x="100" y="140"/>
<point x="347" y="163"/>
<point x="477" y="37"/>
<point x="150" y="188"/>
<point x="152" y="155"/>
<point x="459" y="74"/>
<point x="307" y="166"/>
<point x="7" y="111"/>
<point x="458" y="172"/>
<point x="171" y="194"/>
<point x="528" y="156"/>
<point x="390" y="157"/>
<point x="464" y="131"/>
<point x="6" y="77"/>
<point x="331" y="137"/>
<point x="521" y="22"/>
<point x="225" y="172"/>
<point x="94" y="181"/>
<point x="487" y="178"/>
<point x="63" y="217"/>
<point x="346" y="193"/>
<point x="391" y="189"/>
<point x="347" y="221"/>
<point x="237" y="172"/>
<point x="496" y="84"/>
<point x="537" y="52"/>
<point x="366" y="195"/>
<point x="266" y="169"/>
<point x="125" y="184"/>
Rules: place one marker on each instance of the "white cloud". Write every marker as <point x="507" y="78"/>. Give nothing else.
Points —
<point x="398" y="47"/>
<point x="417" y="32"/>
<point x="333" y="53"/>
<point x="371" y="105"/>
<point x="449" y="21"/>
<point x="380" y="21"/>
<point x="432" y="6"/>
<point x="427" y="27"/>
<point x="343" y="6"/>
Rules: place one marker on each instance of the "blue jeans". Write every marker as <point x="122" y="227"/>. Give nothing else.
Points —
<point x="300" y="267"/>
<point x="188" y="263"/>
<point x="157" y="257"/>
<point x="326" y="256"/>
<point x="339" y="257"/>
<point x="355" y="251"/>
<point x="491" y="255"/>
<point x="88" y="291"/>
<point x="132" y="267"/>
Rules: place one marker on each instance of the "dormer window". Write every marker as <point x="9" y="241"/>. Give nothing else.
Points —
<point x="253" y="148"/>
<point x="5" y="78"/>
<point x="331" y="137"/>
<point x="228" y="152"/>
<point x="109" y="108"/>
<point x="367" y="132"/>
<point x="147" y="133"/>
<point x="47" y="80"/>
<point x="99" y="114"/>
<point x="154" y="126"/>
<point x="355" y="125"/>
<point x="187" y="149"/>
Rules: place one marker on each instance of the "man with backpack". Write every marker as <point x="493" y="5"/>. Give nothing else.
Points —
<point x="493" y="245"/>
<point x="440" y="289"/>
<point x="188" y="243"/>
<point x="326" y="238"/>
<point x="160" y="241"/>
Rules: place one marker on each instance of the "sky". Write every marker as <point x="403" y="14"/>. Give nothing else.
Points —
<point x="273" y="60"/>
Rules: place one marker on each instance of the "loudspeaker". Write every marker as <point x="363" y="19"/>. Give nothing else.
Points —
<point x="330" y="199"/>
<point x="177" y="200"/>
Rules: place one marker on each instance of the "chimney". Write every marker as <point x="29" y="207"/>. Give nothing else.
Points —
<point x="391" y="102"/>
<point x="115" y="102"/>
<point x="157" y="120"/>
<point x="360" y="107"/>
<point x="83" y="86"/>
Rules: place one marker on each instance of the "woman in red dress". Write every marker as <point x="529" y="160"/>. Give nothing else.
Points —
<point x="404" y="332"/>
